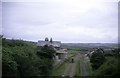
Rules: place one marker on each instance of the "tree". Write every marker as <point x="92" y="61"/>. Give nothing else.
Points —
<point x="19" y="59"/>
<point x="46" y="53"/>
<point x="97" y="59"/>
<point x="111" y="68"/>
<point x="23" y="59"/>
<point x="9" y="66"/>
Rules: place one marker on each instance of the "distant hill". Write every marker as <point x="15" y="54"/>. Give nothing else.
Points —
<point x="91" y="45"/>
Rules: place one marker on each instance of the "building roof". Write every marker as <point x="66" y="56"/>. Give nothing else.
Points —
<point x="53" y="43"/>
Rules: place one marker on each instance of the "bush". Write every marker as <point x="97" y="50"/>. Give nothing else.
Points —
<point x="97" y="59"/>
<point x="109" y="68"/>
<point x="46" y="53"/>
<point x="19" y="59"/>
<point x="9" y="66"/>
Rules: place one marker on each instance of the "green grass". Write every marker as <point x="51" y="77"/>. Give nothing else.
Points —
<point x="72" y="53"/>
<point x="71" y="47"/>
<point x="60" y="70"/>
<point x="78" y="72"/>
<point x="109" y="68"/>
<point x="76" y="48"/>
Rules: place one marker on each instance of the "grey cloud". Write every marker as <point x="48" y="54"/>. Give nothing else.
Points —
<point x="33" y="21"/>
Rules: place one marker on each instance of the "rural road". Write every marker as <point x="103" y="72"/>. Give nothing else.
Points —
<point x="84" y="65"/>
<point x="71" y="68"/>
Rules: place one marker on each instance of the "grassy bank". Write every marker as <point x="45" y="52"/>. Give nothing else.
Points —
<point x="78" y="71"/>
<point x="110" y="67"/>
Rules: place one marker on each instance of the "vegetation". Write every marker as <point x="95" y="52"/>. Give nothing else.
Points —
<point x="74" y="48"/>
<point x="24" y="59"/>
<point x="110" y="67"/>
<point x="78" y="71"/>
<point x="97" y="59"/>
<point x="46" y="53"/>
<point x="60" y="69"/>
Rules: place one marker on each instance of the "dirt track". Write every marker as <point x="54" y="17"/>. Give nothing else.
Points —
<point x="71" y="68"/>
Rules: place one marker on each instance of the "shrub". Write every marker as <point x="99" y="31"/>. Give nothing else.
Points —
<point x="97" y="59"/>
<point x="109" y="68"/>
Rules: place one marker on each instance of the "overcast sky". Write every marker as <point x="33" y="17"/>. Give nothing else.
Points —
<point x="63" y="20"/>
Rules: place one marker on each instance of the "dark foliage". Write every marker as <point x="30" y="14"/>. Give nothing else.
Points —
<point x="109" y="68"/>
<point x="97" y="59"/>
<point x="46" y="53"/>
<point x="23" y="59"/>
